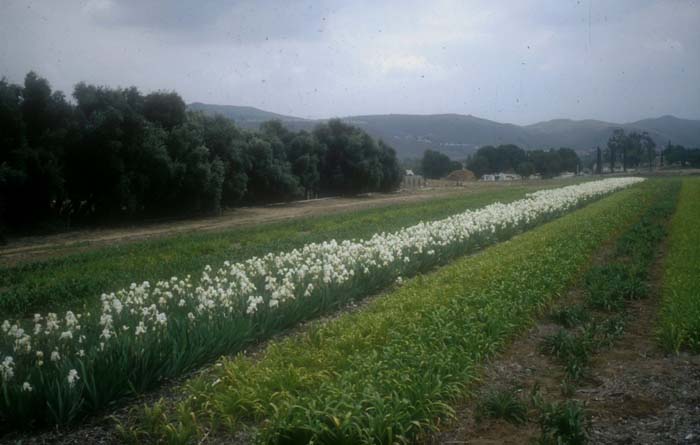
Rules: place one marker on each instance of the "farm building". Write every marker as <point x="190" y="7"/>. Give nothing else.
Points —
<point x="412" y="181"/>
<point x="501" y="177"/>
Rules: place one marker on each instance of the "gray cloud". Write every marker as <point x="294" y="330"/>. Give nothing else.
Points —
<point x="241" y="21"/>
<point x="509" y="61"/>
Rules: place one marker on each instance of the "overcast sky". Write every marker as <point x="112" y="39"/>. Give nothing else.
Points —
<point x="510" y="61"/>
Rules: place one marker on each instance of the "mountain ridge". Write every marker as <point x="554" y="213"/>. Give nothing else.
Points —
<point x="459" y="135"/>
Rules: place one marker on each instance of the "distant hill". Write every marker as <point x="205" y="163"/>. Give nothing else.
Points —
<point x="459" y="135"/>
<point x="246" y="117"/>
<point x="453" y="134"/>
<point x="680" y="131"/>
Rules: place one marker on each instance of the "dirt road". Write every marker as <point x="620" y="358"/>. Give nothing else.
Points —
<point x="40" y="247"/>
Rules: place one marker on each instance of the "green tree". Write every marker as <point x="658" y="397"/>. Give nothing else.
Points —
<point x="270" y="177"/>
<point x="350" y="162"/>
<point x="229" y="144"/>
<point x="568" y="159"/>
<point x="305" y="153"/>
<point x="479" y="164"/>
<point x="635" y="146"/>
<point x="33" y="123"/>
<point x="675" y="154"/>
<point x="105" y="169"/>
<point x="504" y="158"/>
<point x="116" y="153"/>
<point x="391" y="170"/>
<point x="550" y="163"/>
<point x="198" y="174"/>
<point x="166" y="109"/>
<point x="435" y="165"/>
<point x="525" y="169"/>
<point x="616" y="145"/>
<point x="648" y="149"/>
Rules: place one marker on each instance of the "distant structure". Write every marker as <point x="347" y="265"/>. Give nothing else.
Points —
<point x="461" y="176"/>
<point x="412" y="181"/>
<point x="618" y="169"/>
<point x="501" y="177"/>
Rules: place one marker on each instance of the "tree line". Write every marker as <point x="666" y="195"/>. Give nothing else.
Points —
<point x="681" y="156"/>
<point x="436" y="165"/>
<point x="504" y="158"/>
<point x="511" y="158"/>
<point x="629" y="150"/>
<point x="638" y="149"/>
<point x="115" y="153"/>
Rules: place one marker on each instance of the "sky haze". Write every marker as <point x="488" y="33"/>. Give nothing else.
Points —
<point x="518" y="62"/>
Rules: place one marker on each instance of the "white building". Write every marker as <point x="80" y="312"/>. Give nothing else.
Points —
<point x="501" y="177"/>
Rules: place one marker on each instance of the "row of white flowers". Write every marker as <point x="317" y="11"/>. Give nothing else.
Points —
<point x="260" y="283"/>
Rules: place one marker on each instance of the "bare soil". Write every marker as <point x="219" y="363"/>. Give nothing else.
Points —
<point x="638" y="394"/>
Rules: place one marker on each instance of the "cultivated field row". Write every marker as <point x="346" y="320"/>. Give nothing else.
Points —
<point x="57" y="369"/>
<point x="72" y="279"/>
<point x="591" y="370"/>
<point x="391" y="372"/>
<point x="680" y="326"/>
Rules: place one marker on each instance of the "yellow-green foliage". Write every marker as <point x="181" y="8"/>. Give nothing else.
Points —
<point x="680" y="320"/>
<point x="387" y="374"/>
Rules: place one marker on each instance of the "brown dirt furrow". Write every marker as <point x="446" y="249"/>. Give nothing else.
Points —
<point x="642" y="395"/>
<point x="634" y="392"/>
<point x="639" y="395"/>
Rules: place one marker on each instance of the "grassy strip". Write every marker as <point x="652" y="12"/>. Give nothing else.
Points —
<point x="387" y="373"/>
<point x="680" y="314"/>
<point x="66" y="282"/>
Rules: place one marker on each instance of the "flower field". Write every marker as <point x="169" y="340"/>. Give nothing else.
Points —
<point x="388" y="373"/>
<point x="57" y="368"/>
<point x="680" y="316"/>
<point x="74" y="277"/>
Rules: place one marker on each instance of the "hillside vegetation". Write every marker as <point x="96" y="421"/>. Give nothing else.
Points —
<point x="459" y="135"/>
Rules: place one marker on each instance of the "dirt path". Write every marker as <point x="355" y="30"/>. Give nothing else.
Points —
<point x="39" y="247"/>
<point x="639" y="395"/>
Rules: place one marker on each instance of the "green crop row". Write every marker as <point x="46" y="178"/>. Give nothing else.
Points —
<point x="388" y="373"/>
<point x="82" y="363"/>
<point x="609" y="287"/>
<point x="68" y="281"/>
<point x="680" y="313"/>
